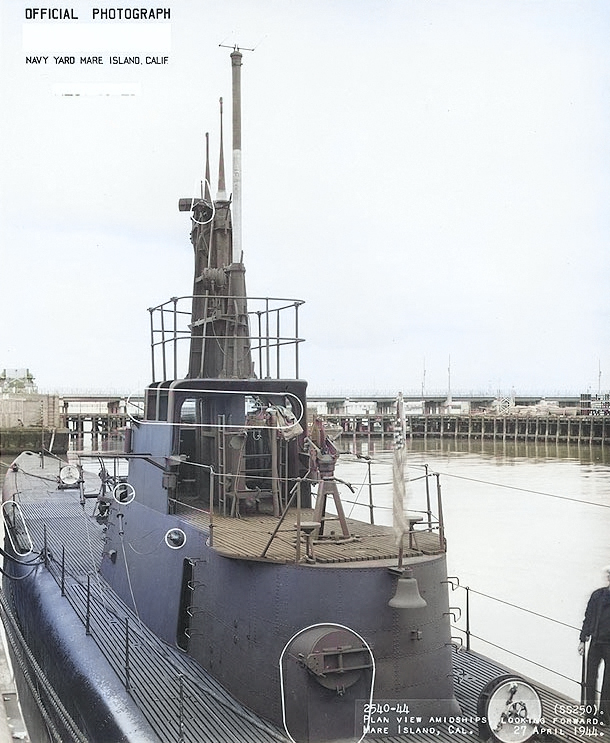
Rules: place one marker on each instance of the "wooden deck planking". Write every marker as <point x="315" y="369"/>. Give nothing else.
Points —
<point x="247" y="537"/>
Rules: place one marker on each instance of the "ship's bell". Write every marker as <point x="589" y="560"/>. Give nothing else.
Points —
<point x="407" y="595"/>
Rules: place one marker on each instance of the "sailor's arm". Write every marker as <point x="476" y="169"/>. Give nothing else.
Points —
<point x="587" y="625"/>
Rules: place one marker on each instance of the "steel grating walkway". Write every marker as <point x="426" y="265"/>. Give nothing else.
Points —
<point x="179" y="699"/>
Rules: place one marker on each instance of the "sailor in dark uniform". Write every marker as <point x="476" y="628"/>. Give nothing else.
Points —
<point x="597" y="627"/>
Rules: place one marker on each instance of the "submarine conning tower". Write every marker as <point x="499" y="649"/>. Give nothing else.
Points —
<point x="307" y="617"/>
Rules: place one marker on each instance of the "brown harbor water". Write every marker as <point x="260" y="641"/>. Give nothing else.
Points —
<point x="526" y="526"/>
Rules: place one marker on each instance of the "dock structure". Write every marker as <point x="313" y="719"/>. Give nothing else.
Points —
<point x="581" y="420"/>
<point x="98" y="421"/>
<point x="96" y="428"/>
<point x="577" y="429"/>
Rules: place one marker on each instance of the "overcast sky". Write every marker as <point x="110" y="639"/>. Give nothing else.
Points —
<point x="432" y="177"/>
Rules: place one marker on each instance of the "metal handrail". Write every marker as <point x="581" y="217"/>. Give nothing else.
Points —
<point x="434" y="522"/>
<point x="455" y="584"/>
<point x="166" y="337"/>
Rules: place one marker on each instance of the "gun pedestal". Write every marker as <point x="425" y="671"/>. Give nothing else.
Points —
<point x="328" y="486"/>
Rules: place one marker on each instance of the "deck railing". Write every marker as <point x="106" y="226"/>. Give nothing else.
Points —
<point x="424" y="514"/>
<point x="462" y="622"/>
<point x="274" y="336"/>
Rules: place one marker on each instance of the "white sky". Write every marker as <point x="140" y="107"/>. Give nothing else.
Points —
<point x="431" y="176"/>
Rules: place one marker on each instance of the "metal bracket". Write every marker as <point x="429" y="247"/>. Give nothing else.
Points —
<point x="451" y="612"/>
<point x="340" y="661"/>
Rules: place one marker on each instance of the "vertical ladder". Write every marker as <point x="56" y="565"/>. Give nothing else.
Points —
<point x="222" y="466"/>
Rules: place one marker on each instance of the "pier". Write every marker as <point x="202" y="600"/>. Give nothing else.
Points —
<point x="99" y="430"/>
<point x="98" y="421"/>
<point x="62" y="422"/>
<point x="379" y="429"/>
<point x="567" y="424"/>
<point x="582" y="419"/>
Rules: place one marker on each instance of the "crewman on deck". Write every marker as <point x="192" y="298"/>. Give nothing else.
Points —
<point x="596" y="626"/>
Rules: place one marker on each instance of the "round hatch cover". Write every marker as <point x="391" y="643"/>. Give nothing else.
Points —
<point x="512" y="709"/>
